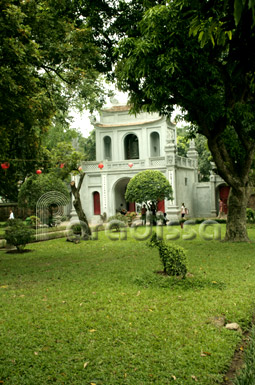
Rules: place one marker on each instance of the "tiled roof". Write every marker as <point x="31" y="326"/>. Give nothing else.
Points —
<point x="128" y="124"/>
<point x="117" y="108"/>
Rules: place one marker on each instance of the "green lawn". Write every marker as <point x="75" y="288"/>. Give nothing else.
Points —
<point x="97" y="313"/>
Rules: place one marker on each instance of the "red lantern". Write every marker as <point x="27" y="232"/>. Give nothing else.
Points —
<point x="62" y="165"/>
<point x="5" y="165"/>
<point x="130" y="165"/>
<point x="100" y="166"/>
<point x="38" y="172"/>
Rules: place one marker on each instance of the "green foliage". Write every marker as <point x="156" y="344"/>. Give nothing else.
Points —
<point x="33" y="221"/>
<point x="147" y="319"/>
<point x="130" y="215"/>
<point x="153" y="69"/>
<point x="162" y="63"/>
<point x="89" y="146"/>
<point x="115" y="219"/>
<point x="18" y="234"/>
<point x="204" y="158"/>
<point x="76" y="229"/>
<point x="60" y="131"/>
<point x="250" y="214"/>
<point x="204" y="155"/>
<point x="182" y="145"/>
<point x="37" y="185"/>
<point x="149" y="185"/>
<point x="64" y="160"/>
<point x="173" y="257"/>
<point x="49" y="62"/>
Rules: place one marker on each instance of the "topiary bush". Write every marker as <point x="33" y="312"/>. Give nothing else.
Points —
<point x="18" y="234"/>
<point x="76" y="229"/>
<point x="172" y="257"/>
<point x="33" y="221"/>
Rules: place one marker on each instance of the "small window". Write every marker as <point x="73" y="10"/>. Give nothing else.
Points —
<point x="155" y="149"/>
<point x="131" y="147"/>
<point x="186" y="181"/>
<point x="107" y="148"/>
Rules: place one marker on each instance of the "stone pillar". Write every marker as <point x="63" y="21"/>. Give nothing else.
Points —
<point x="104" y="194"/>
<point x="193" y="154"/>
<point x="172" y="208"/>
<point x="73" y="214"/>
<point x="213" y="195"/>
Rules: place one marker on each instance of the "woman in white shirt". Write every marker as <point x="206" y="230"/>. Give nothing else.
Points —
<point x="11" y="215"/>
<point x="183" y="210"/>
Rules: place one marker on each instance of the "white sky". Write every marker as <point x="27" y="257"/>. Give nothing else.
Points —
<point x="82" y="122"/>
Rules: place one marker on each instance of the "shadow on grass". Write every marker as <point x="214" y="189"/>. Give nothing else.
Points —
<point x="153" y="280"/>
<point x="16" y="251"/>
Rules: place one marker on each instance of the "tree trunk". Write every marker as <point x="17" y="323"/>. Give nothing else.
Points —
<point x="85" y="229"/>
<point x="236" y="224"/>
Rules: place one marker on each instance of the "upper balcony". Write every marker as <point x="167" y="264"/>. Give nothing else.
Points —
<point x="141" y="164"/>
<point x="125" y="165"/>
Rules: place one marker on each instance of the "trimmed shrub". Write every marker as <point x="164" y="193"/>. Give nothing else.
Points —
<point x="32" y="221"/>
<point x="18" y="234"/>
<point x="115" y="218"/>
<point x="76" y="229"/>
<point x="172" y="257"/>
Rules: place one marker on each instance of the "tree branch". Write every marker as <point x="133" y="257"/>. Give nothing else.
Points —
<point x="55" y="71"/>
<point x="80" y="181"/>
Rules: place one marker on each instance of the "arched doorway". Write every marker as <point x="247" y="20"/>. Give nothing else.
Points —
<point x="161" y="206"/>
<point x="96" y="201"/>
<point x="131" y="147"/>
<point x="119" y="192"/>
<point x="223" y="195"/>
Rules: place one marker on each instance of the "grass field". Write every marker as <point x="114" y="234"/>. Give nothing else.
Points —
<point x="97" y="313"/>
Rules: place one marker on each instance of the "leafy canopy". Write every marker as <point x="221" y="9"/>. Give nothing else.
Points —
<point x="149" y="185"/>
<point x="35" y="186"/>
<point x="49" y="61"/>
<point x="166" y="61"/>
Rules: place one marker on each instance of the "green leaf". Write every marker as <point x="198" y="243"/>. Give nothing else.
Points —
<point x="238" y="9"/>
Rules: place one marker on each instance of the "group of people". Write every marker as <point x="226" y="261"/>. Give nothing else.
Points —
<point x="153" y="217"/>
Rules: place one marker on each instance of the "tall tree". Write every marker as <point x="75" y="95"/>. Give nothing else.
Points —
<point x="86" y="232"/>
<point x="163" y="62"/>
<point x="48" y="61"/>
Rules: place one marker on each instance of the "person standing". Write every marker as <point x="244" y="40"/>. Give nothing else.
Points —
<point x="221" y="208"/>
<point x="143" y="215"/>
<point x="183" y="212"/>
<point x="11" y="214"/>
<point x="153" y="214"/>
